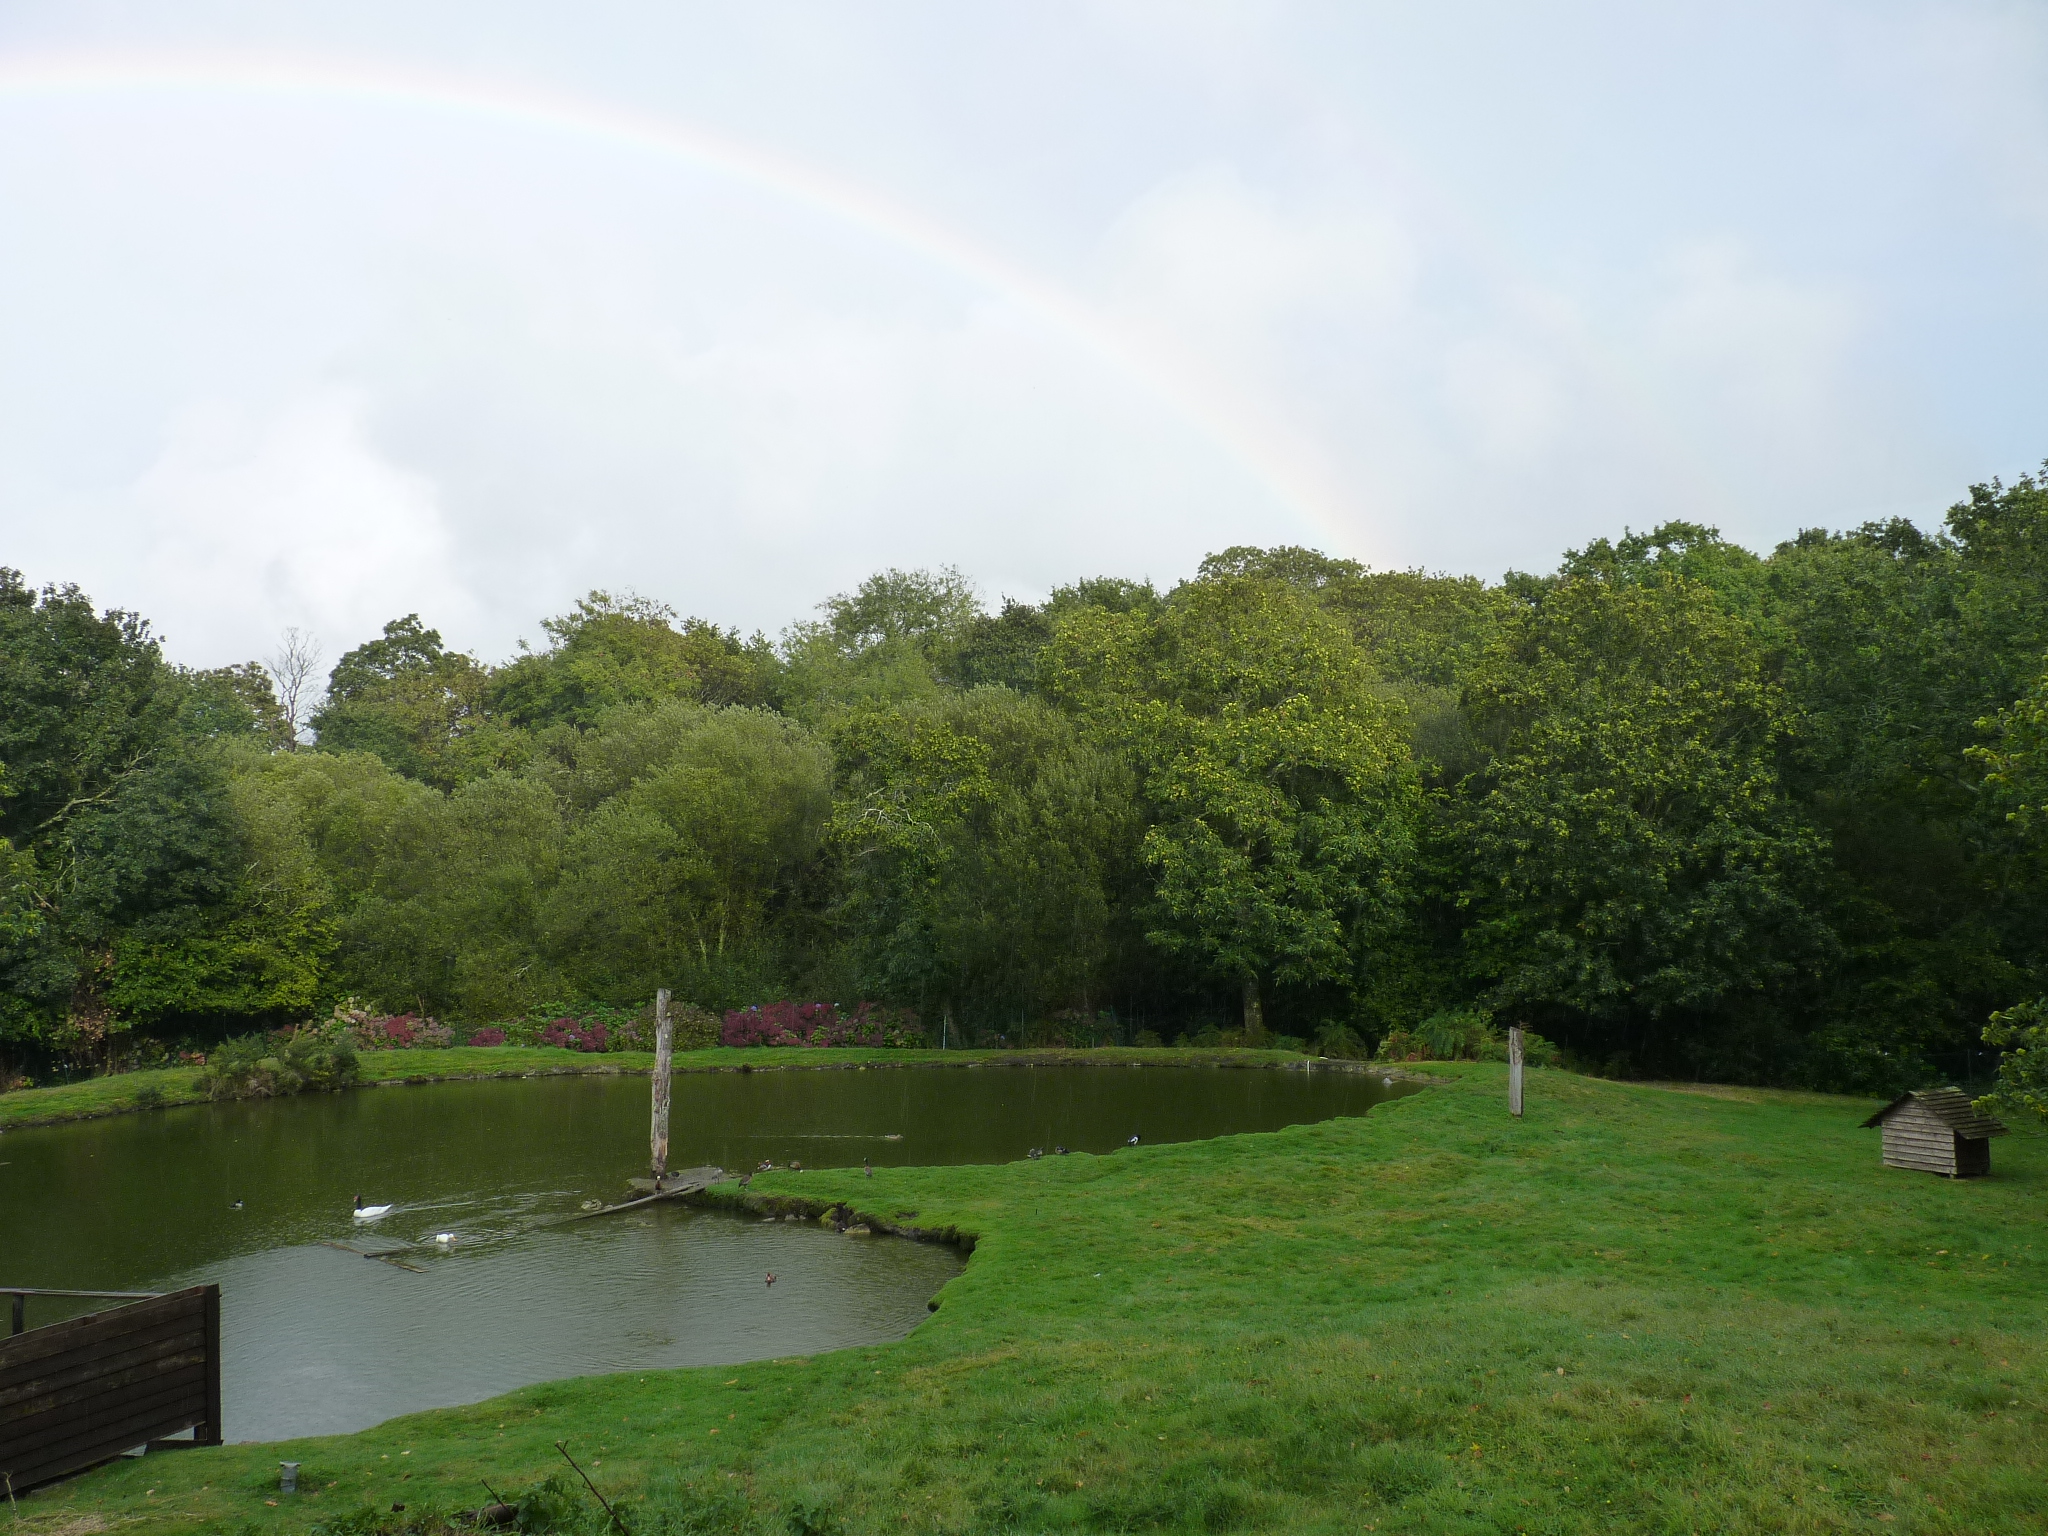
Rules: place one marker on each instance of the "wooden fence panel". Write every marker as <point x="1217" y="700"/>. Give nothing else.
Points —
<point x="82" y="1391"/>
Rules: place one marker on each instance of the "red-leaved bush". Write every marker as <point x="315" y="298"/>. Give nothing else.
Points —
<point x="491" y="1035"/>
<point x="574" y="1035"/>
<point x="820" y="1025"/>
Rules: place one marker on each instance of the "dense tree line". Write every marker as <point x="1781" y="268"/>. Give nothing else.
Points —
<point x="1680" y="807"/>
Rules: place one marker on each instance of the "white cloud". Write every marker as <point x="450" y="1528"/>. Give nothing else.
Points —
<point x="247" y="523"/>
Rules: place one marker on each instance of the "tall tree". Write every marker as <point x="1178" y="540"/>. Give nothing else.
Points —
<point x="1283" y="799"/>
<point x="1630" y="863"/>
<point x="414" y="703"/>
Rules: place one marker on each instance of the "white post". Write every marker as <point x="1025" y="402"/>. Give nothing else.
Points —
<point x="1515" y="1070"/>
<point x="664" y="1055"/>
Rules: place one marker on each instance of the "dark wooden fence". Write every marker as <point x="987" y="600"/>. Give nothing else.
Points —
<point x="84" y="1390"/>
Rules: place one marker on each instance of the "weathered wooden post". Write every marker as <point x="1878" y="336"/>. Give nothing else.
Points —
<point x="664" y="1056"/>
<point x="1515" y="1070"/>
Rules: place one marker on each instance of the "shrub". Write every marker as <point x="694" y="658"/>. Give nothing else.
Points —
<point x="263" y="1066"/>
<point x="149" y="1096"/>
<point x="367" y="1030"/>
<point x="1462" y="1034"/>
<point x="1214" y="1037"/>
<point x="1072" y="1029"/>
<point x="574" y="1035"/>
<point x="1339" y="1042"/>
<point x="820" y="1025"/>
<point x="490" y="1034"/>
<point x="696" y="1029"/>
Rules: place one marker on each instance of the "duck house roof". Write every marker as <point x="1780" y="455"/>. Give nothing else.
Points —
<point x="1951" y="1106"/>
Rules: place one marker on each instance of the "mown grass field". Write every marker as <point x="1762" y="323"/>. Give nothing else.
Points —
<point x="1637" y="1310"/>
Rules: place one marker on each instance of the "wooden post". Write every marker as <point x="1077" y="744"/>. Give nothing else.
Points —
<point x="664" y="1056"/>
<point x="1515" y="1070"/>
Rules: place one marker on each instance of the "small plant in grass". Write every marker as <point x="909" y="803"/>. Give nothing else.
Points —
<point x="149" y="1096"/>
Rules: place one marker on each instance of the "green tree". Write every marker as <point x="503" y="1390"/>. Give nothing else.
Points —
<point x="417" y="705"/>
<point x="124" y="896"/>
<point x="1632" y="868"/>
<point x="452" y="921"/>
<point x="676" y="877"/>
<point x="1282" y="795"/>
<point x="987" y="847"/>
<point x="896" y="636"/>
<point x="613" y="651"/>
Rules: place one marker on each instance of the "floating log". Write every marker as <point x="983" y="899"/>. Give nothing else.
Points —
<point x="682" y="1181"/>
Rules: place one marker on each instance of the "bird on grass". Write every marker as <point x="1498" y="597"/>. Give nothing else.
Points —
<point x="1035" y="1153"/>
<point x="372" y="1212"/>
<point x="767" y="1166"/>
<point x="867" y="1168"/>
<point x="236" y="1206"/>
<point x="795" y="1166"/>
<point x="746" y="1179"/>
<point x="1133" y="1141"/>
<point x="1058" y="1151"/>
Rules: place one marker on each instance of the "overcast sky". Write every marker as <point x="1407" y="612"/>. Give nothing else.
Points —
<point x="319" y="314"/>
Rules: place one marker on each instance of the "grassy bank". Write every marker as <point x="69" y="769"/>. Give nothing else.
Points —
<point x="1638" y="1310"/>
<point x="127" y="1092"/>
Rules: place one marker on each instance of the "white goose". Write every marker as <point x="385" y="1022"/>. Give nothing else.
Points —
<point x="372" y="1212"/>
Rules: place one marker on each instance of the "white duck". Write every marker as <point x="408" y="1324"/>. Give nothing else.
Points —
<point x="372" y="1212"/>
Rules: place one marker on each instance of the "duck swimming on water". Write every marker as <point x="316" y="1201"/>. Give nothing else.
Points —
<point x="371" y="1212"/>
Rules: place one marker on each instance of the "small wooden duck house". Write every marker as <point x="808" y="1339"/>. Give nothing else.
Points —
<point x="1937" y="1130"/>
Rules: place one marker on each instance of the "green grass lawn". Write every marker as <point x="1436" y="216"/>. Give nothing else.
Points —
<point x="126" y="1092"/>
<point x="1636" y="1310"/>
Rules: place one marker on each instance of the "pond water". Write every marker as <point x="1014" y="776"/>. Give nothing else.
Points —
<point x="318" y="1340"/>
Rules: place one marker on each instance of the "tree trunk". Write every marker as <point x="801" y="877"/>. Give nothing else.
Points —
<point x="1254" y="1012"/>
<point x="664" y="1056"/>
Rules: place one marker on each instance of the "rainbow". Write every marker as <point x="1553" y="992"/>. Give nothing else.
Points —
<point x="1272" y="453"/>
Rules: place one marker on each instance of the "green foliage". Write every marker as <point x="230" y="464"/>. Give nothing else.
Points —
<point x="1283" y="798"/>
<point x="985" y="841"/>
<point x="622" y="651"/>
<point x="675" y="876"/>
<point x="1628" y="858"/>
<point x="418" y="706"/>
<point x="1340" y="1042"/>
<point x="1002" y="650"/>
<point x="262" y="1067"/>
<point x="2021" y="1032"/>
<point x="1688" y="810"/>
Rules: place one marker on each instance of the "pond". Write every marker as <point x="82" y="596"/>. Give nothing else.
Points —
<point x="318" y="1340"/>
